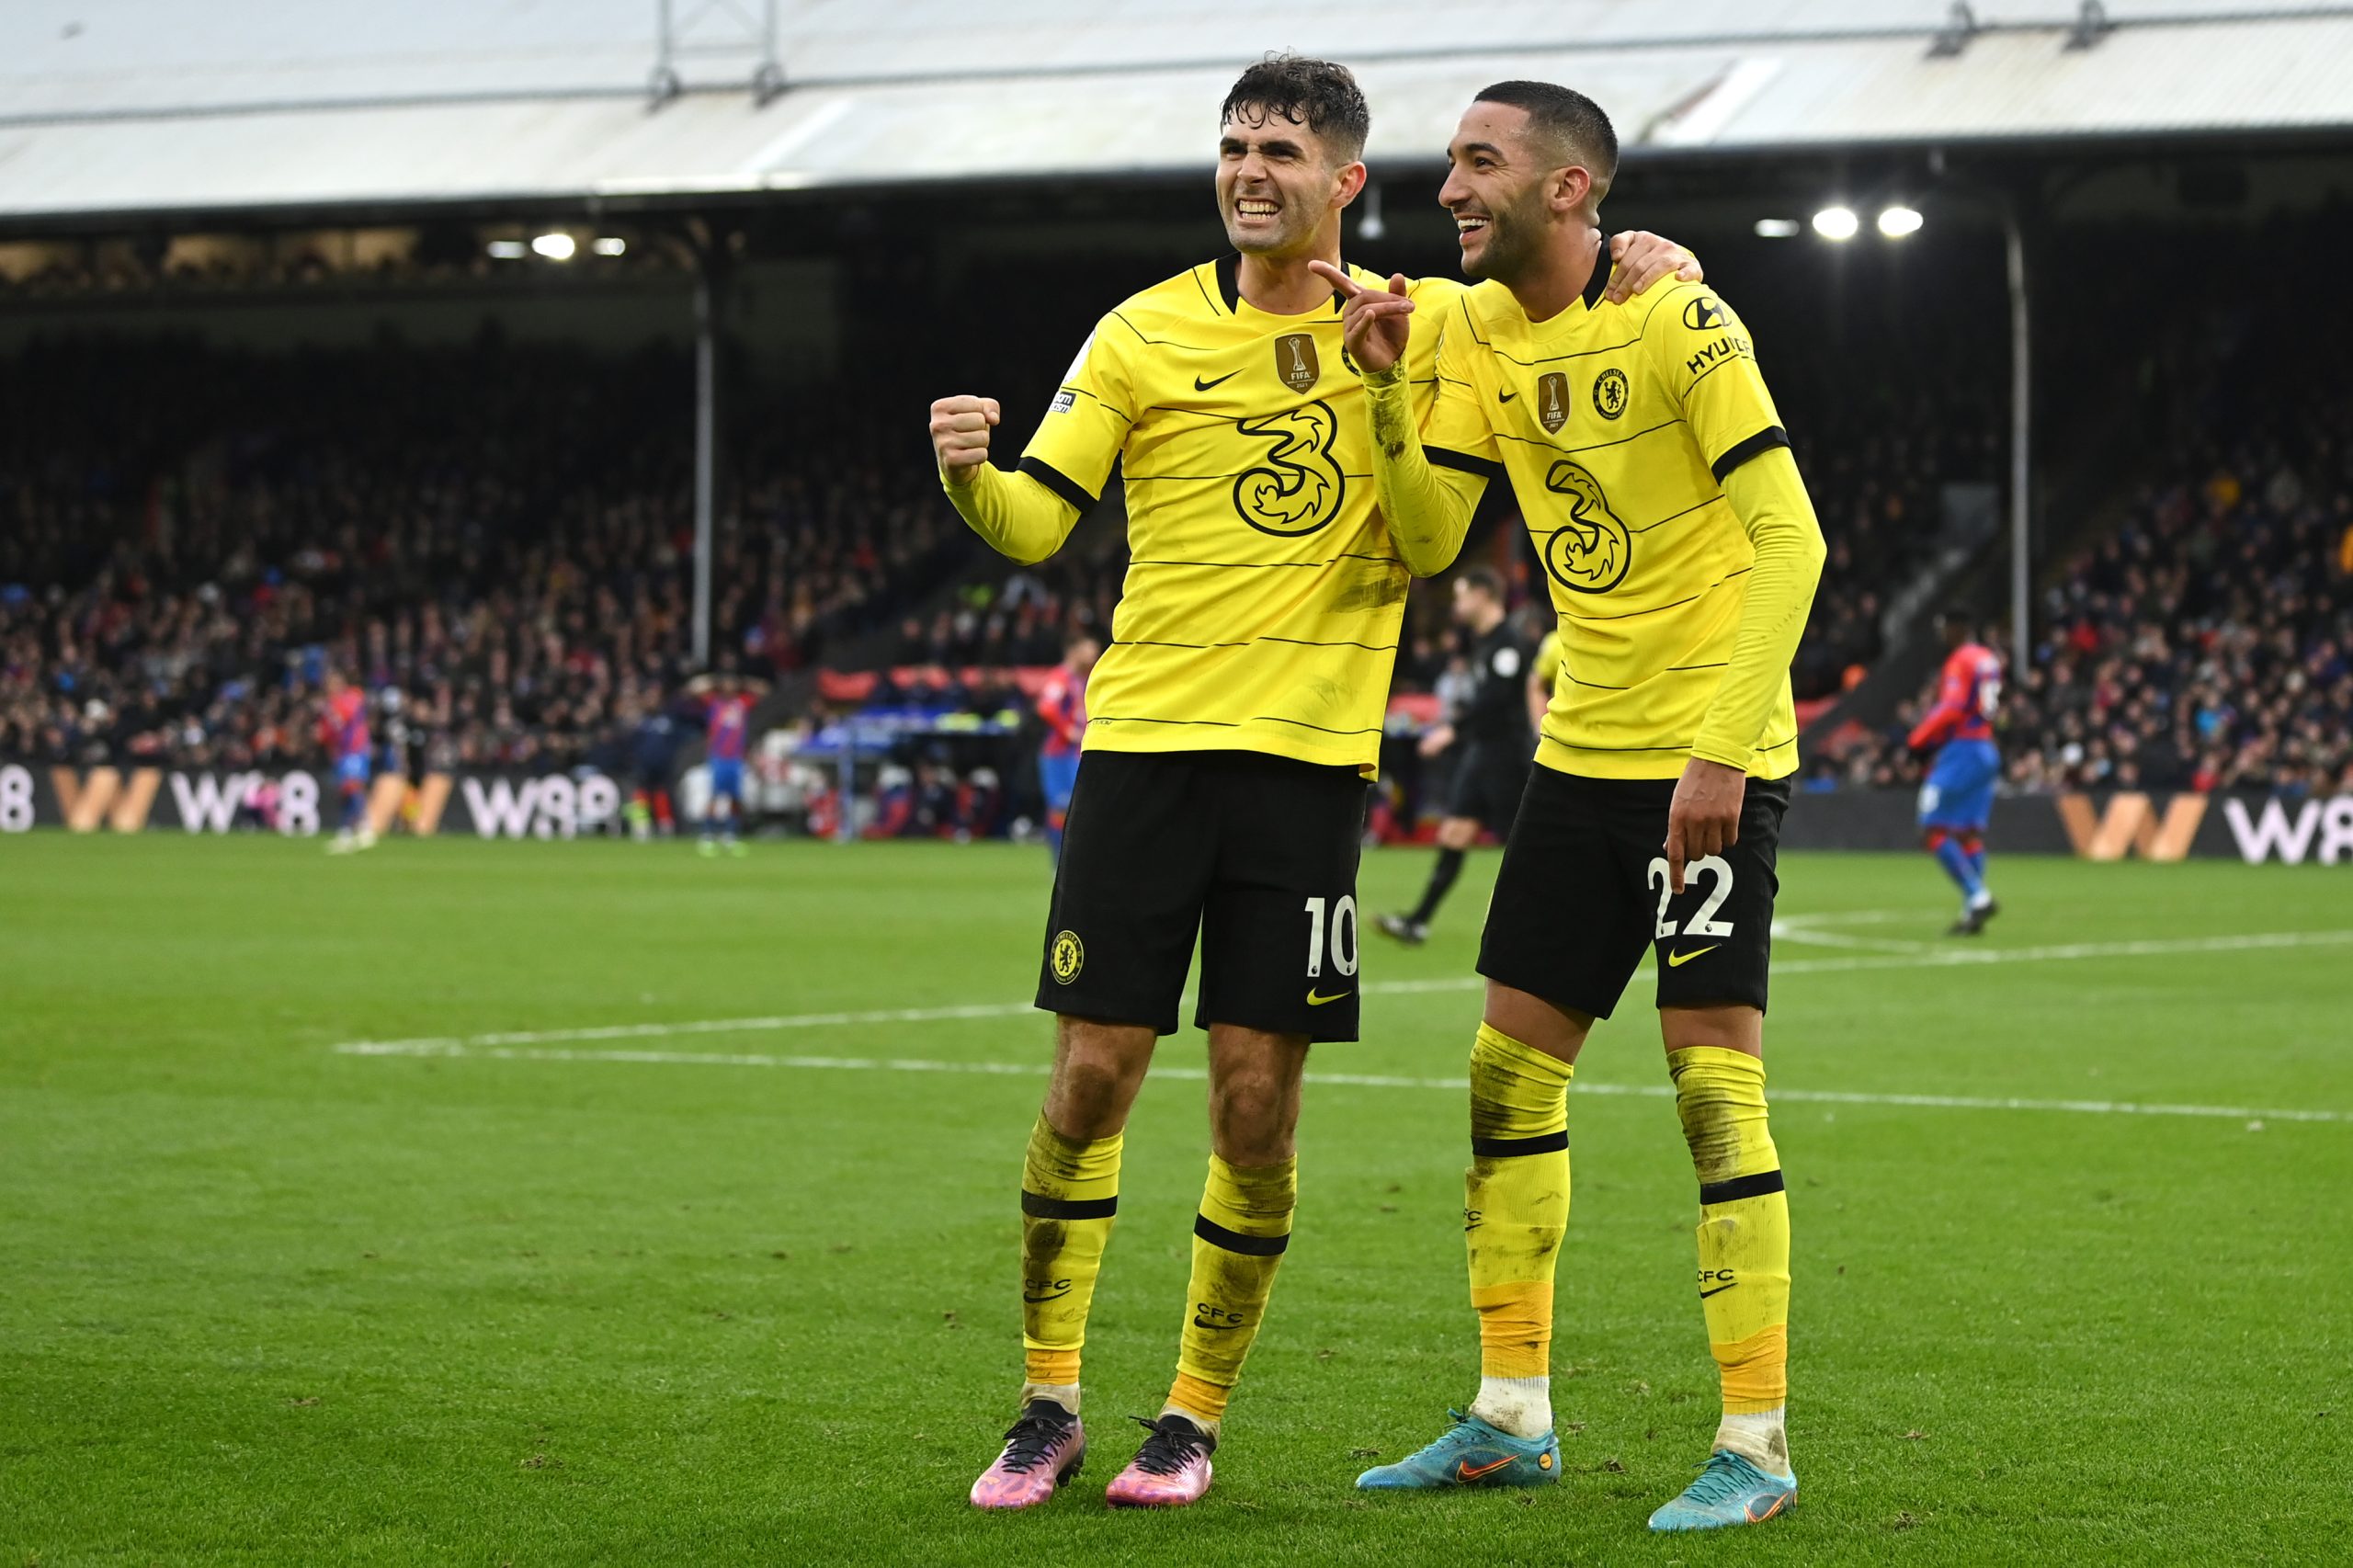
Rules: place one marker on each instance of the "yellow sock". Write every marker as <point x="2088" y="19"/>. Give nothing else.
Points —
<point x="1070" y="1190"/>
<point x="1515" y="1210"/>
<point x="1238" y="1242"/>
<point x="1744" y="1244"/>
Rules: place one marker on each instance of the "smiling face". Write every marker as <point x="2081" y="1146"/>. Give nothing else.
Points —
<point x="1506" y="190"/>
<point x="1278" y="183"/>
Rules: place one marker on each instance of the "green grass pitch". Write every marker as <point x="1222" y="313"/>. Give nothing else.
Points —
<point x="589" y="1295"/>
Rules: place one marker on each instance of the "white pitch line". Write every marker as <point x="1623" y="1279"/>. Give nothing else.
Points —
<point x="2160" y="947"/>
<point x="1943" y="958"/>
<point x="1797" y="931"/>
<point x="1856" y="916"/>
<point x="1351" y="1080"/>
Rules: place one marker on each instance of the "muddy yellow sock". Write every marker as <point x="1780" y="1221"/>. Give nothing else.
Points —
<point x="1069" y="1190"/>
<point x="1238" y="1242"/>
<point x="1515" y="1208"/>
<point x="1744" y="1244"/>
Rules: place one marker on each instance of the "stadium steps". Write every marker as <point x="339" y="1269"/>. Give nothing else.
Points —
<point x="2092" y="493"/>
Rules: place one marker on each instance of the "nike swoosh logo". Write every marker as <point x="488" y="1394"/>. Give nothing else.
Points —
<point x="1716" y="1291"/>
<point x="1315" y="999"/>
<point x="1676" y="961"/>
<point x="1200" y="385"/>
<point x="1036" y="1301"/>
<point x="1506" y="397"/>
<point x="1466" y="1471"/>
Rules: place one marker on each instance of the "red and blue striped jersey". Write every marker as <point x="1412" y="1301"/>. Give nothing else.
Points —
<point x="1967" y="698"/>
<point x="729" y="717"/>
<point x="1062" y="703"/>
<point x="347" y="724"/>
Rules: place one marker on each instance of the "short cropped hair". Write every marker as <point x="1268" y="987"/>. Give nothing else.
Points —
<point x="1574" y="125"/>
<point x="1321" y="96"/>
<point x="1486" y="580"/>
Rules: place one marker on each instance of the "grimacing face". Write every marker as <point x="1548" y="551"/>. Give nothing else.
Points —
<point x="1495" y="187"/>
<point x="1277" y="182"/>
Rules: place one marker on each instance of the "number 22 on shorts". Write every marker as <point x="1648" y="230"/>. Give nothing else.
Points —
<point x="1703" y="921"/>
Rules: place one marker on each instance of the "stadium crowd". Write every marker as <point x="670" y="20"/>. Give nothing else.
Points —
<point x="496" y="541"/>
<point x="2207" y="644"/>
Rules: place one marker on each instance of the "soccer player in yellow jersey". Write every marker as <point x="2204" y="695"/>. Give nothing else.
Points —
<point x="1233" y="724"/>
<point x="1657" y="483"/>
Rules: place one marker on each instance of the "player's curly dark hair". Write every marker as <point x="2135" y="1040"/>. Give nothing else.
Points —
<point x="1314" y="93"/>
<point x="1574" y="124"/>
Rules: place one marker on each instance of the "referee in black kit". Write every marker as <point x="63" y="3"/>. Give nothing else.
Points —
<point x="1495" y="742"/>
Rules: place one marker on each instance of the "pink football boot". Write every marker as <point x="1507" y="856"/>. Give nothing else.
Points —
<point x="1042" y="1450"/>
<point x="1171" y="1469"/>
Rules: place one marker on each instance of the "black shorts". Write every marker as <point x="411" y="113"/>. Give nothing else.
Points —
<point x="1255" y="854"/>
<point x="1487" y="786"/>
<point x="1583" y="890"/>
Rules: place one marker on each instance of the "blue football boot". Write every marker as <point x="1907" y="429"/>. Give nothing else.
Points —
<point x="1471" y="1453"/>
<point x="1729" y="1490"/>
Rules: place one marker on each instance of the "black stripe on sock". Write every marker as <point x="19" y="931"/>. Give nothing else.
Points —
<point x="1506" y="1148"/>
<point x="1039" y="1208"/>
<point x="1738" y="1187"/>
<point x="1217" y="1235"/>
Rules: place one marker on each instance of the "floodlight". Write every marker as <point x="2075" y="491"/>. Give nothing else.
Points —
<point x="1837" y="223"/>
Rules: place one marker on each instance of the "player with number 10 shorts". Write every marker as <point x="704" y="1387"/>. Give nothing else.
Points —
<point x="1232" y="724"/>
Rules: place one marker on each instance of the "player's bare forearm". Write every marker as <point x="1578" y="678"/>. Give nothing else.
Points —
<point x="1427" y="515"/>
<point x="1019" y="517"/>
<point x="1771" y="501"/>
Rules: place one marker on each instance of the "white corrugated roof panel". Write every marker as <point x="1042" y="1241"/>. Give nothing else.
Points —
<point x="160" y="105"/>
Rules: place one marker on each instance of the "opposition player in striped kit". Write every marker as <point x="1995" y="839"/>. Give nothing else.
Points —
<point x="1956" y="801"/>
<point x="1062" y="707"/>
<point x="343" y="729"/>
<point x="727" y="702"/>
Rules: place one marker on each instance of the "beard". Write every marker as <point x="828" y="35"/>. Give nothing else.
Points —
<point x="1515" y="233"/>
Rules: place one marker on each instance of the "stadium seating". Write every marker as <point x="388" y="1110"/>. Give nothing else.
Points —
<point x="497" y="534"/>
<point x="2207" y="644"/>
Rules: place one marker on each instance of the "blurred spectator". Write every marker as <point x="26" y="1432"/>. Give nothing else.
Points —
<point x="2206" y="645"/>
<point x="497" y="540"/>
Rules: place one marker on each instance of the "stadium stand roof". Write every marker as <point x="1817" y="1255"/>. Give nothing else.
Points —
<point x="164" y="107"/>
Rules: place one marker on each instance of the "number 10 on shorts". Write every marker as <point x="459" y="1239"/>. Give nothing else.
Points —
<point x="1342" y="926"/>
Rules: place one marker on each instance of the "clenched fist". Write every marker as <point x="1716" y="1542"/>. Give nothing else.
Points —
<point x="959" y="435"/>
